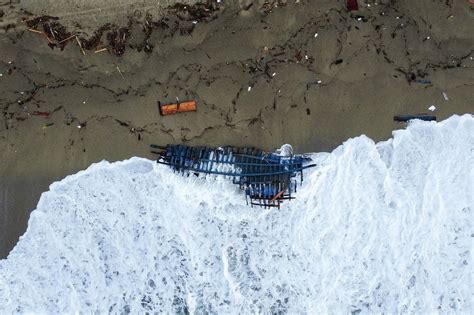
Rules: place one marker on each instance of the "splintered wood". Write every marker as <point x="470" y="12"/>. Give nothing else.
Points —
<point x="173" y="108"/>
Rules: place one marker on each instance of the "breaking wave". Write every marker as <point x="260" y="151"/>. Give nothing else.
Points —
<point x="381" y="227"/>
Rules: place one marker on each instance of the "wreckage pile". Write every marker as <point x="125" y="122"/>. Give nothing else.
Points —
<point x="116" y="39"/>
<point x="266" y="178"/>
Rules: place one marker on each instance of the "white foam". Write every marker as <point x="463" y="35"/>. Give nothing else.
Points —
<point x="376" y="227"/>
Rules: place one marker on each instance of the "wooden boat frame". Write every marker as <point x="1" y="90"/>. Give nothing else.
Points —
<point x="267" y="178"/>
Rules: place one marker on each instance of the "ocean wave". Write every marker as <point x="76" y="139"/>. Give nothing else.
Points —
<point x="381" y="227"/>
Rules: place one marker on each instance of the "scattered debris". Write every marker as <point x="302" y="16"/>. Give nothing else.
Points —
<point x="445" y="96"/>
<point x="35" y="31"/>
<point x="68" y="38"/>
<point x="432" y="108"/>
<point x="44" y="114"/>
<point x="309" y="84"/>
<point x="249" y="88"/>
<point x="316" y="35"/>
<point x="123" y="123"/>
<point x="47" y="125"/>
<point x="55" y="33"/>
<point x="423" y="81"/>
<point x="80" y="45"/>
<point x="298" y="56"/>
<point x="118" y="69"/>
<point x="100" y="50"/>
<point x="352" y="5"/>
<point x="406" y="118"/>
<point x="119" y="38"/>
<point x="179" y="107"/>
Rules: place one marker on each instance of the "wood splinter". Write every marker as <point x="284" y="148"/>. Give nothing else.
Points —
<point x="35" y="31"/>
<point x="66" y="39"/>
<point x="80" y="46"/>
<point x="100" y="50"/>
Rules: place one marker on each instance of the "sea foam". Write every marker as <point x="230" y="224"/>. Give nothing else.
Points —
<point x="381" y="227"/>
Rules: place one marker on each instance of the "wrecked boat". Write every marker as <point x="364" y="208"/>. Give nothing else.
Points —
<point x="266" y="178"/>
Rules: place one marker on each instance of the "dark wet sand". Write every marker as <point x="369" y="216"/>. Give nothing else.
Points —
<point x="114" y="99"/>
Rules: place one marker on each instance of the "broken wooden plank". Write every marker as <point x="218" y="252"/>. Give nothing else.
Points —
<point x="173" y="108"/>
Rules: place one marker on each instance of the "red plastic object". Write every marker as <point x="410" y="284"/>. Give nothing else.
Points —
<point x="352" y="5"/>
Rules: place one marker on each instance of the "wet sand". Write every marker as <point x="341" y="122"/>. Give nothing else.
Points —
<point x="260" y="74"/>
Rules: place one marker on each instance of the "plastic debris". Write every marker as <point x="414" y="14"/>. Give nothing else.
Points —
<point x="445" y="96"/>
<point x="249" y="88"/>
<point x="316" y="35"/>
<point x="432" y="108"/>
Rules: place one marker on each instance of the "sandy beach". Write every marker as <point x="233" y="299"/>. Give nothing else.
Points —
<point x="308" y="73"/>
